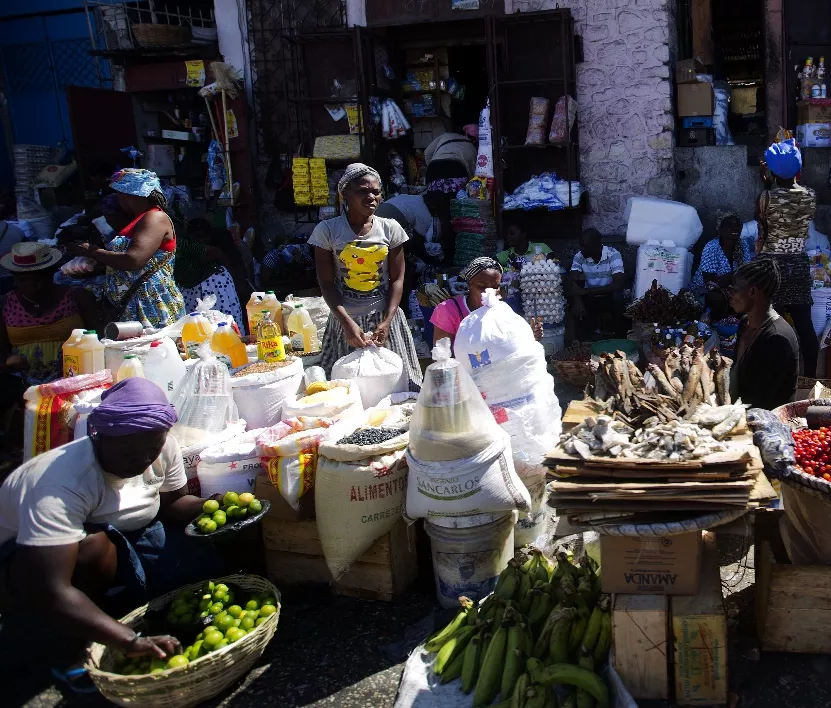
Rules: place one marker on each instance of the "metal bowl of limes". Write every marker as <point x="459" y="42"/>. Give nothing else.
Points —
<point x="222" y="518"/>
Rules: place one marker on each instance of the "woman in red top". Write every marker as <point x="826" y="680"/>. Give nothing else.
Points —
<point x="139" y="260"/>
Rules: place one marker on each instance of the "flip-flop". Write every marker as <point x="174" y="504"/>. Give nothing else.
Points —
<point x="77" y="680"/>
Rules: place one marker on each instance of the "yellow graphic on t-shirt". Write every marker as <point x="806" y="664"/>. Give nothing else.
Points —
<point x="363" y="266"/>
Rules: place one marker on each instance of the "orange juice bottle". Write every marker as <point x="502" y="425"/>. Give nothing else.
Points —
<point x="91" y="353"/>
<point x="254" y="311"/>
<point x="196" y="330"/>
<point x="71" y="353"/>
<point x="227" y="343"/>
<point x="269" y="340"/>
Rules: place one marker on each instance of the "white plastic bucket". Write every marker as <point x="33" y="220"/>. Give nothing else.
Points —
<point x="528" y="529"/>
<point x="468" y="561"/>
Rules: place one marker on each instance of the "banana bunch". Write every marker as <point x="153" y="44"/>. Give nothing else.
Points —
<point x="545" y="624"/>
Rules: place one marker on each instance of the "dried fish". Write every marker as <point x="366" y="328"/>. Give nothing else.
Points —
<point x="722" y="430"/>
<point x="672" y="363"/>
<point x="661" y="379"/>
<point x="693" y="379"/>
<point x="722" y="377"/>
<point x="706" y="380"/>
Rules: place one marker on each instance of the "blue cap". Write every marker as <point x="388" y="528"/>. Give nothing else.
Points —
<point x="784" y="159"/>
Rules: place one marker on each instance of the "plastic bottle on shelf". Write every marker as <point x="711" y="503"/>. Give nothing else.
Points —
<point x="163" y="366"/>
<point x="821" y="69"/>
<point x="254" y="311"/>
<point x="130" y="368"/>
<point x="71" y="354"/>
<point x="269" y="340"/>
<point x="196" y="330"/>
<point x="226" y="341"/>
<point x="91" y="353"/>
<point x="302" y="331"/>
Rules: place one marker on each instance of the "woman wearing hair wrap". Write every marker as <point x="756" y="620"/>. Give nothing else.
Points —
<point x="785" y="211"/>
<point x="102" y="513"/>
<point x="767" y="353"/>
<point x="359" y="258"/>
<point x="140" y="259"/>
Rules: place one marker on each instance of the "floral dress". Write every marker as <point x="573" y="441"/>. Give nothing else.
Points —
<point x="158" y="301"/>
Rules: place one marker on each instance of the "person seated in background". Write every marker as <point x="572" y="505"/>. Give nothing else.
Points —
<point x="452" y="155"/>
<point x="596" y="283"/>
<point x="767" y="350"/>
<point x="720" y="259"/>
<point x="519" y="252"/>
<point x="288" y="268"/>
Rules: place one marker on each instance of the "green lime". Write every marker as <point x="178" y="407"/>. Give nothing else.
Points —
<point x="205" y="604"/>
<point x="237" y="622"/>
<point x="246" y="498"/>
<point x="221" y="587"/>
<point x="260" y="621"/>
<point x="230" y="499"/>
<point x="156" y="671"/>
<point x="210" y="506"/>
<point x="235" y="611"/>
<point x="219" y="595"/>
<point x="232" y="512"/>
<point x="215" y="609"/>
<point x="234" y="634"/>
<point x="252" y="605"/>
<point x="185" y="619"/>
<point x="253" y="614"/>
<point x="225" y="623"/>
<point x="212" y="638"/>
<point x="242" y="512"/>
<point x="267" y="610"/>
<point x="224" y="643"/>
<point x="207" y="526"/>
<point x="247" y="623"/>
<point x="177" y="661"/>
<point x="268" y="600"/>
<point x="219" y="518"/>
<point x="255" y="507"/>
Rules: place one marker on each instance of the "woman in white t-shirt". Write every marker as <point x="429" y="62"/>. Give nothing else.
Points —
<point x="76" y="521"/>
<point x="359" y="259"/>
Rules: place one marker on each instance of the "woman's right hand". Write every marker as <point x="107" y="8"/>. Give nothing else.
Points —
<point x="355" y="336"/>
<point x="162" y="646"/>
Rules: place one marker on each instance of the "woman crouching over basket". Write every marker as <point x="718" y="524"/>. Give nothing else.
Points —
<point x="99" y="522"/>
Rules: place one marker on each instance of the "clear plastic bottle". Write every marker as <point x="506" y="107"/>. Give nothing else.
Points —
<point x="130" y="368"/>
<point x="269" y="340"/>
<point x="71" y="353"/>
<point x="821" y="69"/>
<point x="302" y="331"/>
<point x="196" y="330"/>
<point x="92" y="353"/>
<point x="163" y="366"/>
<point x="226" y="342"/>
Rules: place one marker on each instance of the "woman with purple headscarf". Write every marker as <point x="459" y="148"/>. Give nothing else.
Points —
<point x="100" y="514"/>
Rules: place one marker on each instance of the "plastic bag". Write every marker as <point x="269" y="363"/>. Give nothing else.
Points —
<point x="484" y="157"/>
<point x="260" y="397"/>
<point x="565" y="113"/>
<point x="230" y="466"/>
<point x="341" y="400"/>
<point x="451" y="421"/>
<point x="191" y="455"/>
<point x="492" y="333"/>
<point x="203" y="400"/>
<point x="377" y="371"/>
<point x="205" y="308"/>
<point x="537" y="120"/>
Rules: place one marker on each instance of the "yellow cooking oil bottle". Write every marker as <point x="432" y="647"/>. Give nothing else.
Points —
<point x="226" y="342"/>
<point x="196" y="330"/>
<point x="91" y="353"/>
<point x="302" y="331"/>
<point x="269" y="340"/>
<point x="71" y="353"/>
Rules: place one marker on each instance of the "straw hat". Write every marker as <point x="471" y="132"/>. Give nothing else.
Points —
<point x="29" y="256"/>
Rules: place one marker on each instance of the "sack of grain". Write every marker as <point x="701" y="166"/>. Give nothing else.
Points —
<point x="484" y="483"/>
<point x="377" y="371"/>
<point x="261" y="388"/>
<point x="341" y="400"/>
<point x="191" y="453"/>
<point x="359" y="493"/>
<point x="231" y="466"/>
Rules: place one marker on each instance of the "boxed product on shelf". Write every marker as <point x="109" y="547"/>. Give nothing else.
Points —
<point x="814" y="135"/>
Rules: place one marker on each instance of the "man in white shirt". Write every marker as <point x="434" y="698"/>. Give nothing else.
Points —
<point x="66" y="516"/>
<point x="596" y="287"/>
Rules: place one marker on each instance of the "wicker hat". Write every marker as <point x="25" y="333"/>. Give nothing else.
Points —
<point x="29" y="256"/>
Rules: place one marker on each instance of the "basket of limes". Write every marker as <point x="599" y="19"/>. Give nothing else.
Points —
<point x="220" y="654"/>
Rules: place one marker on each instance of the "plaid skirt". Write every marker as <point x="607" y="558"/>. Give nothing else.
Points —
<point x="400" y="341"/>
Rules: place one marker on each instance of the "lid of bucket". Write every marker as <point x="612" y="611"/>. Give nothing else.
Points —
<point x="466" y="522"/>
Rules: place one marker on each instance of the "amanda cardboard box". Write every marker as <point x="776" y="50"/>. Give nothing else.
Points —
<point x="686" y="71"/>
<point x="665" y="565"/>
<point x="813" y="111"/>
<point x="695" y="99"/>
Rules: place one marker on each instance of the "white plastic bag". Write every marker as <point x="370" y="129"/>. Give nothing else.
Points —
<point x="816" y="240"/>
<point x="260" y="397"/>
<point x="342" y="403"/>
<point x="203" y="400"/>
<point x="205" y="308"/>
<point x="191" y="453"/>
<point x="484" y="158"/>
<point x="378" y="372"/>
<point x="492" y="333"/>
<point x="482" y="484"/>
<point x="451" y="420"/>
<point x="230" y="466"/>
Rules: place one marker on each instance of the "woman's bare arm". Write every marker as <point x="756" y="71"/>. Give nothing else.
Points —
<point x="147" y="236"/>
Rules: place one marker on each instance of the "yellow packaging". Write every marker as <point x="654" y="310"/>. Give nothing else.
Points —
<point x="71" y="354"/>
<point x="269" y="340"/>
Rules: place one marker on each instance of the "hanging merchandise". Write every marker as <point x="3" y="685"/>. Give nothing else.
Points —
<point x="484" y="158"/>
<point x="319" y="181"/>
<point x="393" y="123"/>
<point x="721" y="111"/>
<point x="397" y="177"/>
<point x="541" y="284"/>
<point x="301" y="181"/>
<point x="565" y="113"/>
<point x="537" y="121"/>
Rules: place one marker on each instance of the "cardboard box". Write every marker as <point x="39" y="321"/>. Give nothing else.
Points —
<point x="696" y="137"/>
<point x="814" y="111"/>
<point x="814" y="135"/>
<point x="640" y="632"/>
<point x="695" y="99"/>
<point x="699" y="631"/>
<point x="666" y="565"/>
<point x="280" y="509"/>
<point x="686" y="70"/>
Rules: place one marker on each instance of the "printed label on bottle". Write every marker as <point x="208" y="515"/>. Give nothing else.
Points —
<point x="271" y="349"/>
<point x="71" y="365"/>
<point x="297" y="341"/>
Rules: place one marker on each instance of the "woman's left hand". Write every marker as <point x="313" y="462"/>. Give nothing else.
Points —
<point x="536" y="328"/>
<point x="381" y="334"/>
<point x="81" y="249"/>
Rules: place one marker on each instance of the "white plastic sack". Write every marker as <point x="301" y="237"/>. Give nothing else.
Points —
<point x="83" y="409"/>
<point x="482" y="484"/>
<point x="816" y="240"/>
<point x="492" y="333"/>
<point x="721" y="99"/>
<point x="230" y="466"/>
<point x="665" y="262"/>
<point x="653" y="219"/>
<point x="484" y="158"/>
<point x="359" y="496"/>
<point x="260" y="397"/>
<point x="378" y="372"/>
<point x="191" y="453"/>
<point x="317" y="406"/>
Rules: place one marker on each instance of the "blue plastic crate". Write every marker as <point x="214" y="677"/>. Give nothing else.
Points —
<point x="696" y="122"/>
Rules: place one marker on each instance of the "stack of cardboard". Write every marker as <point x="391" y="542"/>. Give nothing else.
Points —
<point x="695" y="105"/>
<point x="813" y="124"/>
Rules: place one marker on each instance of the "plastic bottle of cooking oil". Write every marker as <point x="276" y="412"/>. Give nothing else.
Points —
<point x="254" y="311"/>
<point x="302" y="331"/>
<point x="130" y="368"/>
<point x="272" y="304"/>
<point x="226" y="342"/>
<point x="71" y="354"/>
<point x="196" y="330"/>
<point x="269" y="340"/>
<point x="91" y="353"/>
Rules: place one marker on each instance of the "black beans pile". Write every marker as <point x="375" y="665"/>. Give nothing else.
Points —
<point x="371" y="436"/>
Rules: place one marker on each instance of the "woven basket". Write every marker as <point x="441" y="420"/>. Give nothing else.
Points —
<point x="201" y="679"/>
<point x="573" y="364"/>
<point x="150" y="35"/>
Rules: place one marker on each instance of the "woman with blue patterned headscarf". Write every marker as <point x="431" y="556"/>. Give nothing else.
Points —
<point x="139" y="260"/>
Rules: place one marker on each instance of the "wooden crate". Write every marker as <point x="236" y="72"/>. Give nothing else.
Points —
<point x="294" y="556"/>
<point x="640" y="635"/>
<point x="699" y="631"/>
<point x="280" y="509"/>
<point x="793" y="602"/>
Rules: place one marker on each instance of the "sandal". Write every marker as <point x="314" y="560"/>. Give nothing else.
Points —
<point x="77" y="680"/>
